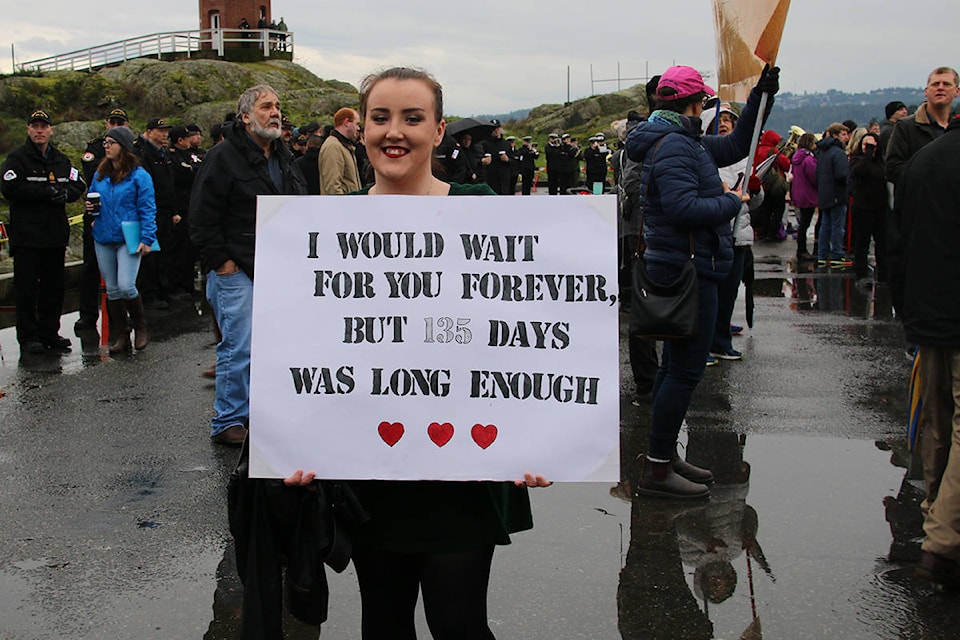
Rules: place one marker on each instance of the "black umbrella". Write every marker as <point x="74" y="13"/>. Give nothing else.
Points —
<point x="478" y="129"/>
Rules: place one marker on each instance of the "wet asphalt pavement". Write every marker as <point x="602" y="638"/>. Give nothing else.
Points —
<point x="113" y="516"/>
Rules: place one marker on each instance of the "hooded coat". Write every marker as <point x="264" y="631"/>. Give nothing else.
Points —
<point x="803" y="189"/>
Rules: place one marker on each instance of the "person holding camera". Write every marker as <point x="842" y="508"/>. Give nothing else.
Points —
<point x="38" y="180"/>
<point x="869" y="207"/>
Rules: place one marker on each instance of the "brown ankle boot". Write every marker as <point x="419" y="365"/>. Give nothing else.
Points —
<point x="119" y="331"/>
<point x="139" y="322"/>
<point x="658" y="479"/>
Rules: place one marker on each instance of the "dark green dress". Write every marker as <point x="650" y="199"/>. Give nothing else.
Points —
<point x="441" y="517"/>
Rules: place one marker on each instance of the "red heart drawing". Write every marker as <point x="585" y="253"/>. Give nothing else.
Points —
<point x="391" y="432"/>
<point x="484" y="435"/>
<point x="440" y="433"/>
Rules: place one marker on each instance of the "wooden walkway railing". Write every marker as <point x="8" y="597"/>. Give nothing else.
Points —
<point x="159" y="44"/>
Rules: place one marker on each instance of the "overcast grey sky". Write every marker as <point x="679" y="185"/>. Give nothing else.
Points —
<point x="497" y="56"/>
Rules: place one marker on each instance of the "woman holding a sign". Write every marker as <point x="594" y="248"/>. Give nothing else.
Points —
<point x="125" y="193"/>
<point x="432" y="537"/>
<point x="686" y="208"/>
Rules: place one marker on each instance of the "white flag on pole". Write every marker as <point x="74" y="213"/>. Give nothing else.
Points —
<point x="748" y="36"/>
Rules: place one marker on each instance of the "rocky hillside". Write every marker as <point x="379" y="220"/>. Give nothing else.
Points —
<point x="581" y="118"/>
<point x="200" y="91"/>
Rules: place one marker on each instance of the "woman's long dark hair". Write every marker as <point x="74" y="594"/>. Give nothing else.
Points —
<point x="118" y="170"/>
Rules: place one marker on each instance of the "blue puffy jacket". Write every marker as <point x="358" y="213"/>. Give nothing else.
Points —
<point x="684" y="193"/>
<point x="130" y="199"/>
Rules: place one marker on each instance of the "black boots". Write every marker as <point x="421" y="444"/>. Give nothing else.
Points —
<point x="119" y="330"/>
<point x="139" y="322"/>
<point x="676" y="480"/>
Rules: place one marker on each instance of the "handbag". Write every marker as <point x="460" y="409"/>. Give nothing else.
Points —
<point x="668" y="311"/>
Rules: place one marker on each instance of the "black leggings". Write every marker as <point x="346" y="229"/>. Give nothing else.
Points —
<point x="454" y="587"/>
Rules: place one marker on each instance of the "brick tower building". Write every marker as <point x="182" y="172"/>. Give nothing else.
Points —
<point x="228" y="14"/>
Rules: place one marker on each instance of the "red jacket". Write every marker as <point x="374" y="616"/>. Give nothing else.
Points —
<point x="767" y="146"/>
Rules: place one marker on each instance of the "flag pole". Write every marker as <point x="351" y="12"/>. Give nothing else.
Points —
<point x="754" y="142"/>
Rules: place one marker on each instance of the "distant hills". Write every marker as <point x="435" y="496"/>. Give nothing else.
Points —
<point x="811" y="111"/>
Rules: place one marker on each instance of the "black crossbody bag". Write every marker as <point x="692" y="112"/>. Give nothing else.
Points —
<point x="663" y="312"/>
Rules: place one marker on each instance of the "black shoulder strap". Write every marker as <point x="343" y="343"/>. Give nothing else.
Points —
<point x="641" y="245"/>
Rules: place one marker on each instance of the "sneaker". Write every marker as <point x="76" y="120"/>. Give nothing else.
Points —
<point x="729" y="354"/>
<point x="823" y="263"/>
<point x="735" y="329"/>
<point x="840" y="263"/>
<point x="712" y="360"/>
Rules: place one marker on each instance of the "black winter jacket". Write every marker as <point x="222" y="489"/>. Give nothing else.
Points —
<point x="868" y="184"/>
<point x="833" y="169"/>
<point x="275" y="526"/>
<point x="928" y="276"/>
<point x="911" y="134"/>
<point x="223" y="204"/>
<point x="29" y="181"/>
<point x="159" y="164"/>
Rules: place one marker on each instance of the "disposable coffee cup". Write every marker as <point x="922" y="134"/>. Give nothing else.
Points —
<point x="94" y="199"/>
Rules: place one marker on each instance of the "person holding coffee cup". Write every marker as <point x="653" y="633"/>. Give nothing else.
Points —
<point x="125" y="193"/>
<point x="93" y="199"/>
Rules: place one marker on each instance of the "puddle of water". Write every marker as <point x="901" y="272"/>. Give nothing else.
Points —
<point x="86" y="348"/>
<point x="829" y="293"/>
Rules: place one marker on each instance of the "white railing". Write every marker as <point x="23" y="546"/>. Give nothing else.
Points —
<point x="158" y="44"/>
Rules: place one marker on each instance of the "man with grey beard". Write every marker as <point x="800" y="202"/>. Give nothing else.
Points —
<point x="252" y="160"/>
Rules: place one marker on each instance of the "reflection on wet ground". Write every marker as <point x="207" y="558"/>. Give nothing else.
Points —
<point x="811" y="531"/>
<point x="87" y="347"/>
<point x="795" y="541"/>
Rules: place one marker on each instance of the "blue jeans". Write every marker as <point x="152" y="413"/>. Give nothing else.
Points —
<point x="832" y="225"/>
<point x="119" y="269"/>
<point x="727" y="290"/>
<point x="231" y="297"/>
<point x="681" y="368"/>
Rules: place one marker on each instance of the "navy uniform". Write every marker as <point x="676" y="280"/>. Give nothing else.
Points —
<point x="595" y="161"/>
<point x="153" y="280"/>
<point x="528" y="155"/>
<point x="452" y="158"/>
<point x="497" y="173"/>
<point x="38" y="181"/>
<point x="183" y="258"/>
<point x="514" y="165"/>
<point x="555" y="159"/>
<point x="570" y="164"/>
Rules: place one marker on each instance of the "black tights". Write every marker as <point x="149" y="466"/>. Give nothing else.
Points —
<point x="454" y="587"/>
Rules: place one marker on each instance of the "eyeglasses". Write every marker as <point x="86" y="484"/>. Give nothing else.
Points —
<point x="108" y="143"/>
<point x="116" y="122"/>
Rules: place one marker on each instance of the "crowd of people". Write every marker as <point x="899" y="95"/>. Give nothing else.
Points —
<point x="890" y="180"/>
<point x="686" y="193"/>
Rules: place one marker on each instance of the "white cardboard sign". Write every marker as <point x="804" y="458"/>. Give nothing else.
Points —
<point x="445" y="338"/>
